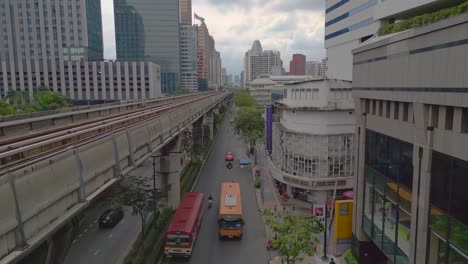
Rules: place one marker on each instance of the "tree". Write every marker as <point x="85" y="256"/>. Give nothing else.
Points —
<point x="180" y="91"/>
<point x="6" y="108"/>
<point x="244" y="99"/>
<point x="249" y="122"/>
<point x="48" y="100"/>
<point x="140" y="196"/>
<point x="190" y="145"/>
<point x="294" y="234"/>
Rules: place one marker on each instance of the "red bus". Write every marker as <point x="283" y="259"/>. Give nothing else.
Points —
<point x="183" y="229"/>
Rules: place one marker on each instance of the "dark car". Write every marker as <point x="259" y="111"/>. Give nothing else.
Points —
<point x="111" y="217"/>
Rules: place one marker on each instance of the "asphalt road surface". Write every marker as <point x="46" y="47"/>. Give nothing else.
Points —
<point x="94" y="245"/>
<point x="208" y="248"/>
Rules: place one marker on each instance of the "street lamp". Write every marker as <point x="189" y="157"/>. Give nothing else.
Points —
<point x="156" y="214"/>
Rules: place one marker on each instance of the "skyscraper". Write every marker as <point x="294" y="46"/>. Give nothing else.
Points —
<point x="313" y="68"/>
<point x="185" y="12"/>
<point x="188" y="57"/>
<point x="297" y="64"/>
<point x="257" y="61"/>
<point x="158" y="33"/>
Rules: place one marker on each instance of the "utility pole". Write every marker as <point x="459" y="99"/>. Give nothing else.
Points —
<point x="324" y="257"/>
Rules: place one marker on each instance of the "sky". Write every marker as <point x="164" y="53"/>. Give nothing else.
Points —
<point x="288" y="26"/>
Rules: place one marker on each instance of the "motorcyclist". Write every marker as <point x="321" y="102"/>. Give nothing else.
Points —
<point x="210" y="201"/>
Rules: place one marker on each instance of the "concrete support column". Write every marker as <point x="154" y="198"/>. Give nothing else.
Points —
<point x="208" y="120"/>
<point x="197" y="135"/>
<point x="359" y="172"/>
<point x="169" y="169"/>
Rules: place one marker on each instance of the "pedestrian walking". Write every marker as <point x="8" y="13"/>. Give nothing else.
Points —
<point x="332" y="261"/>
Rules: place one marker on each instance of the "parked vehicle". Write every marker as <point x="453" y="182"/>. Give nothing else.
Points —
<point x="245" y="161"/>
<point x="111" y="216"/>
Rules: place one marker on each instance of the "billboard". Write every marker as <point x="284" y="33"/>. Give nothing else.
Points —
<point x="269" y="128"/>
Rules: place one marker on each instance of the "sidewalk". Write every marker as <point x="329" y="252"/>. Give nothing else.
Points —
<point x="268" y="197"/>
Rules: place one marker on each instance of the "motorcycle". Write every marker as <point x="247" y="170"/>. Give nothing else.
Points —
<point x="210" y="203"/>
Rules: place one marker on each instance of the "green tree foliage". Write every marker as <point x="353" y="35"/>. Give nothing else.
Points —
<point x="6" y="108"/>
<point x="294" y="234"/>
<point x="244" y="99"/>
<point x="180" y="91"/>
<point x="49" y="100"/>
<point x="43" y="99"/>
<point x="424" y="19"/>
<point x="248" y="121"/>
<point x="140" y="196"/>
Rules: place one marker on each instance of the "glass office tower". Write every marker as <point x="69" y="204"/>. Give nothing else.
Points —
<point x="149" y="30"/>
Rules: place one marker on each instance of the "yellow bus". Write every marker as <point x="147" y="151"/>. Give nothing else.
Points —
<point x="231" y="218"/>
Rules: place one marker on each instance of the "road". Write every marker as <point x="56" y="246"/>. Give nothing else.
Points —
<point x="208" y="248"/>
<point x="96" y="246"/>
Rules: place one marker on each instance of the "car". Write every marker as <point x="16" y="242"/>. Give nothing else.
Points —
<point x="245" y="161"/>
<point x="229" y="156"/>
<point x="110" y="217"/>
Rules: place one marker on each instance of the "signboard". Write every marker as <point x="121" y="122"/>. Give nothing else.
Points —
<point x="343" y="221"/>
<point x="319" y="212"/>
<point x="269" y="128"/>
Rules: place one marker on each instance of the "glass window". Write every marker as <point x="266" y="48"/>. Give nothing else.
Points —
<point x="441" y="167"/>
<point x="459" y="199"/>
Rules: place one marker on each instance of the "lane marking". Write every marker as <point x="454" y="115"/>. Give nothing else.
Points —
<point x="91" y="225"/>
<point x="80" y="235"/>
<point x="97" y="251"/>
<point x="123" y="221"/>
<point x="95" y="221"/>
<point x="110" y="236"/>
<point x="74" y="241"/>
<point x="86" y="230"/>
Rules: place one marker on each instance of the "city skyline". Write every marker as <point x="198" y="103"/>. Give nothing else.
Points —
<point x="295" y="28"/>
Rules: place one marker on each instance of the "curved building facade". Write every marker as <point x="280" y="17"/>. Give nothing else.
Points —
<point x="313" y="139"/>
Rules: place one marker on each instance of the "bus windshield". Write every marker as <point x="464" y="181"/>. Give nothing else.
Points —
<point x="178" y="240"/>
<point x="230" y="224"/>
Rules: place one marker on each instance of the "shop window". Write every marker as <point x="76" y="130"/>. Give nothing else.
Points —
<point x="387" y="112"/>
<point x="374" y="106"/>
<point x="405" y="111"/>
<point x="441" y="167"/>
<point x="464" y="124"/>
<point x="435" y="115"/>
<point x="449" y="117"/>
<point x="381" y="107"/>
<point x="396" y="111"/>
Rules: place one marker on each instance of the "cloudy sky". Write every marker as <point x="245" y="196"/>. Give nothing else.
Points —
<point x="289" y="26"/>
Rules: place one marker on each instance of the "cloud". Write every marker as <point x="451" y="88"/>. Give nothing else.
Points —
<point x="302" y="5"/>
<point x="285" y="24"/>
<point x="288" y="26"/>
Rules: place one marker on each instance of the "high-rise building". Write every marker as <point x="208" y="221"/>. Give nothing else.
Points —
<point x="313" y="69"/>
<point x="160" y="38"/>
<point x="185" y="7"/>
<point x="60" y="46"/>
<point x="297" y="65"/>
<point x="203" y="56"/>
<point x="188" y="57"/>
<point x="224" y="76"/>
<point x="209" y="60"/>
<point x="257" y="61"/>
<point x="412" y="143"/>
<point x="242" y="82"/>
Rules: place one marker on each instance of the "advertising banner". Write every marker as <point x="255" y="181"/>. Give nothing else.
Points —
<point x="269" y="128"/>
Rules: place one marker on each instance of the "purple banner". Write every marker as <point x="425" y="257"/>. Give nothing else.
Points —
<point x="269" y="128"/>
